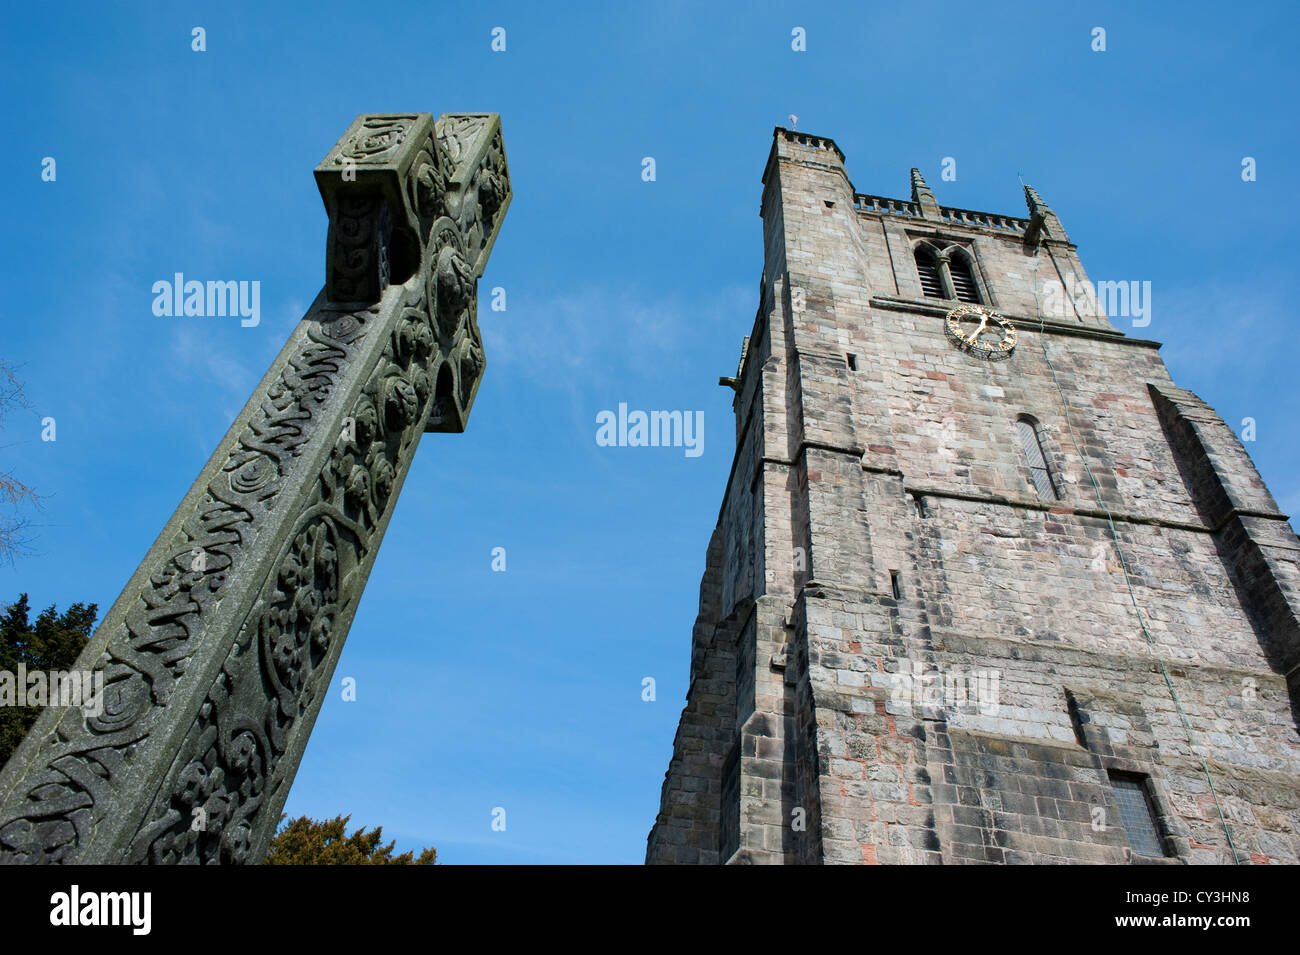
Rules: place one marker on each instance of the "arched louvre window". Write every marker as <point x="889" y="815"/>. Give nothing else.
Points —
<point x="963" y="281"/>
<point x="927" y="267"/>
<point x="1032" y="446"/>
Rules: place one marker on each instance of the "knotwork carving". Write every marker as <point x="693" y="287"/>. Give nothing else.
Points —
<point x="218" y="653"/>
<point x="429" y="183"/>
<point x="144" y="661"/>
<point x="376" y="137"/>
<point x="357" y="261"/>
<point x="455" y="283"/>
<point x="228" y="760"/>
<point x="457" y="133"/>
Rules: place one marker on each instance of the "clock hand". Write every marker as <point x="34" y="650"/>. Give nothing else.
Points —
<point x="974" y="338"/>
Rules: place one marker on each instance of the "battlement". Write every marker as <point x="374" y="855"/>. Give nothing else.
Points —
<point x="780" y="133"/>
<point x="923" y="206"/>
<point x="884" y="206"/>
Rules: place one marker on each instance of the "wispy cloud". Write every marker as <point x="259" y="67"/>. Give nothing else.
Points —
<point x="598" y="331"/>
<point x="1216" y="329"/>
<point x="219" y="366"/>
<point x="232" y="359"/>
<point x="196" y="349"/>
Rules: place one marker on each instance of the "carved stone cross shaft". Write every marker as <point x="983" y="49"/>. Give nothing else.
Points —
<point x="218" y="654"/>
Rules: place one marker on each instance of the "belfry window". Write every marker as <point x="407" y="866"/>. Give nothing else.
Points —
<point x="963" y="281"/>
<point x="948" y="273"/>
<point x="927" y="267"/>
<point x="1032" y="446"/>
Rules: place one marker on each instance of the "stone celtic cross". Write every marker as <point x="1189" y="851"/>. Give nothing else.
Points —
<point x="218" y="654"/>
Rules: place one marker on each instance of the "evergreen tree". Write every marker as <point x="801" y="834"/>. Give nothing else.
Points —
<point x="54" y="643"/>
<point x="304" y="841"/>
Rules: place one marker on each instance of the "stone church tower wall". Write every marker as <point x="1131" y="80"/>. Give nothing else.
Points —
<point x="906" y="650"/>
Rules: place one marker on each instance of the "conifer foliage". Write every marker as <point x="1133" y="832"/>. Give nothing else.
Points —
<point x="305" y="841"/>
<point x="52" y="644"/>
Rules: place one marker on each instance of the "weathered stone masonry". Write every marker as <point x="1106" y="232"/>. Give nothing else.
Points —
<point x="880" y="526"/>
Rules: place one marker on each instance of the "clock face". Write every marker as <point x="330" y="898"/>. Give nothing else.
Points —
<point x="981" y="332"/>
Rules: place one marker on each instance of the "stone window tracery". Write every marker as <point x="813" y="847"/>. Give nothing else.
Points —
<point x="947" y="273"/>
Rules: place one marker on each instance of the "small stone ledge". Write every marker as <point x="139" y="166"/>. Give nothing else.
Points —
<point x="1058" y="507"/>
<point x="1027" y="322"/>
<point x="951" y="641"/>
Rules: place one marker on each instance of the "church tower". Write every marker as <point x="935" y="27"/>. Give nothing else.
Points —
<point x="985" y="585"/>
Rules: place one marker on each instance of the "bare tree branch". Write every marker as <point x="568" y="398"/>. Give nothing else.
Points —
<point x="13" y="492"/>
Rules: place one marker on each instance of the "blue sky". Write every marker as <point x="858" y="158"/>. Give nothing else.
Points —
<point x="522" y="689"/>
